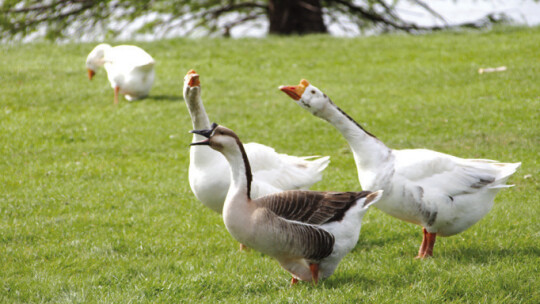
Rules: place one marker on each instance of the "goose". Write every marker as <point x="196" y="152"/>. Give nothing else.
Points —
<point x="129" y="68"/>
<point x="442" y="193"/>
<point x="307" y="232"/>
<point x="209" y="176"/>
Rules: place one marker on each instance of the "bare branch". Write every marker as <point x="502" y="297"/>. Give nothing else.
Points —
<point x="233" y="7"/>
<point x="430" y="10"/>
<point x="229" y="26"/>
<point x="41" y="8"/>
<point x="49" y="18"/>
<point x="378" y="19"/>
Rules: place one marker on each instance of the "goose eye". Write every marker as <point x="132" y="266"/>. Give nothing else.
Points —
<point x="312" y="91"/>
<point x="324" y="95"/>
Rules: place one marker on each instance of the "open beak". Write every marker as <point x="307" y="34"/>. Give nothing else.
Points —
<point x="194" y="81"/>
<point x="91" y="74"/>
<point x="193" y="78"/>
<point x="206" y="133"/>
<point x="205" y="142"/>
<point x="295" y="92"/>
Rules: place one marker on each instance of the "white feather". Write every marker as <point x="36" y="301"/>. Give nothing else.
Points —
<point x="209" y="174"/>
<point x="128" y="67"/>
<point x="443" y="193"/>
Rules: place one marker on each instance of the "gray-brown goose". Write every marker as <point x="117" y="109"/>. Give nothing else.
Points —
<point x="307" y="232"/>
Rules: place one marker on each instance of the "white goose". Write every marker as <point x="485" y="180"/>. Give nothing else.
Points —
<point x="209" y="175"/>
<point x="308" y="232"/>
<point x="442" y="193"/>
<point x="129" y="68"/>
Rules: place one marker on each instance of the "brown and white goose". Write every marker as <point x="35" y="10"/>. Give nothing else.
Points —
<point x="209" y="176"/>
<point x="442" y="193"/>
<point x="307" y="232"/>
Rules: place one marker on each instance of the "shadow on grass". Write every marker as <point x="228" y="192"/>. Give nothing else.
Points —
<point x="338" y="281"/>
<point x="477" y="255"/>
<point x="165" y="97"/>
<point x="386" y="240"/>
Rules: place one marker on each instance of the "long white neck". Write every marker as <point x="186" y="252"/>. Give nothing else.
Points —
<point x="199" y="118"/>
<point x="368" y="151"/>
<point x="200" y="156"/>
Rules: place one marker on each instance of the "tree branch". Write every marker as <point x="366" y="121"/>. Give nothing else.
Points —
<point x="229" y="26"/>
<point x="430" y="10"/>
<point x="233" y="7"/>
<point x="376" y="18"/>
<point x="29" y="22"/>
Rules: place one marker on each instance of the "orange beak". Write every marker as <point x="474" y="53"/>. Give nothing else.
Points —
<point x="91" y="74"/>
<point x="194" y="78"/>
<point x="295" y="92"/>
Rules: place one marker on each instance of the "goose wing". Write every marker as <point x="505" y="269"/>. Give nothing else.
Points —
<point x="276" y="171"/>
<point x="299" y="240"/>
<point x="449" y="175"/>
<point x="129" y="56"/>
<point x="311" y="207"/>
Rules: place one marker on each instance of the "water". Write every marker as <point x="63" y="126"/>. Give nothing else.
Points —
<point x="522" y="12"/>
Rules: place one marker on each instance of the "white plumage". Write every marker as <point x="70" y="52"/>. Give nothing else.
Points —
<point x="442" y="193"/>
<point x="209" y="173"/>
<point x="129" y="68"/>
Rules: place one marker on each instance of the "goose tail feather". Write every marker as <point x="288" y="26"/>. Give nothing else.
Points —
<point x="505" y="171"/>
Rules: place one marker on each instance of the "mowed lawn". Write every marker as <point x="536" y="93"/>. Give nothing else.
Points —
<point x="95" y="205"/>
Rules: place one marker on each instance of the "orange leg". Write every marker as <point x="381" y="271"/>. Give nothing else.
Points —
<point x="428" y="241"/>
<point x="243" y="247"/>
<point x="430" y="244"/>
<point x="422" y="249"/>
<point x="314" y="272"/>
<point x="294" y="281"/>
<point x="116" y="91"/>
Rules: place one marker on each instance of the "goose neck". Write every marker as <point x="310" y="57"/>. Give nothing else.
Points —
<point x="241" y="175"/>
<point x="368" y="150"/>
<point x="199" y="118"/>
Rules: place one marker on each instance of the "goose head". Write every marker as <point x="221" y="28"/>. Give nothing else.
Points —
<point x="96" y="58"/>
<point x="192" y="85"/>
<point x="308" y="97"/>
<point x="218" y="138"/>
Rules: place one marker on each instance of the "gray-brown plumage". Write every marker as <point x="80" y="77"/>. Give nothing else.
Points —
<point x="308" y="232"/>
<point x="311" y="207"/>
<point x="299" y="240"/>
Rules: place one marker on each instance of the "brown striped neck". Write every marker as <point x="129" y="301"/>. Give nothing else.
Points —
<point x="248" y="174"/>
<point x="233" y="150"/>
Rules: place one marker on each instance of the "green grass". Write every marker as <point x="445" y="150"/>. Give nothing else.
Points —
<point x="95" y="205"/>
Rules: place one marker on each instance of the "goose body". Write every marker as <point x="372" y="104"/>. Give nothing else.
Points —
<point x="442" y="193"/>
<point x="307" y="232"/>
<point x="209" y="176"/>
<point x="130" y="69"/>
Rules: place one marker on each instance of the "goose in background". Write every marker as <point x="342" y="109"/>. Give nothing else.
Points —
<point x="307" y="232"/>
<point x="129" y="68"/>
<point x="442" y="193"/>
<point x="209" y="173"/>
